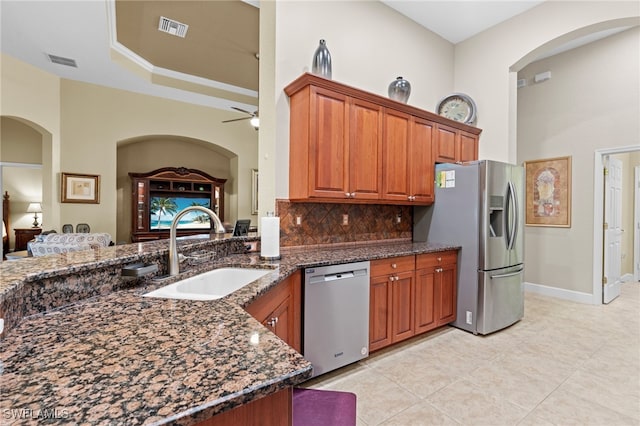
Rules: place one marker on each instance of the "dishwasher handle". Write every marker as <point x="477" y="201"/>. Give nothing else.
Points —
<point x="337" y="276"/>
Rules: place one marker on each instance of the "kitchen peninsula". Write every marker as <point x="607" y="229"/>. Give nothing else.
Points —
<point x="82" y="342"/>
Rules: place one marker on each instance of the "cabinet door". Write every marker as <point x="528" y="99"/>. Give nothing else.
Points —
<point x="446" y="294"/>
<point x="379" y="313"/>
<point x="468" y="147"/>
<point x="328" y="144"/>
<point x="425" y="300"/>
<point x="421" y="164"/>
<point x="402" y="310"/>
<point x="444" y="148"/>
<point x="279" y="320"/>
<point x="365" y="148"/>
<point x="395" y="159"/>
<point x="279" y="310"/>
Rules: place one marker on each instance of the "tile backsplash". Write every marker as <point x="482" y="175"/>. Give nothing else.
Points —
<point x="324" y="223"/>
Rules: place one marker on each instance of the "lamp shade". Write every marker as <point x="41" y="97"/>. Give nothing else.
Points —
<point x="34" y="208"/>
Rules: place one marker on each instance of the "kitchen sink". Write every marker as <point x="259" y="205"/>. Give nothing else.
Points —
<point x="210" y="285"/>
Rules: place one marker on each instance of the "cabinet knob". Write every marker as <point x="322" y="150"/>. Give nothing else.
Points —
<point x="439" y="259"/>
<point x="393" y="265"/>
<point x="438" y="269"/>
<point x="272" y="322"/>
<point x="347" y="194"/>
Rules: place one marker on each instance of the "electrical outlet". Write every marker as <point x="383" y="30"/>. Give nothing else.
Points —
<point x="398" y="218"/>
<point x="298" y="220"/>
<point x="345" y="219"/>
<point x="469" y="317"/>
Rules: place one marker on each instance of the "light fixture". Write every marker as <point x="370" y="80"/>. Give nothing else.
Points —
<point x="34" y="208"/>
<point x="255" y="122"/>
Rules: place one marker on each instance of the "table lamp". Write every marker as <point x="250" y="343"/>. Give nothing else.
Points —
<point x="34" y="208"/>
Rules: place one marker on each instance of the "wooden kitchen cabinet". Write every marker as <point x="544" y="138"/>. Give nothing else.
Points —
<point x="410" y="295"/>
<point x="350" y="146"/>
<point x="436" y="289"/>
<point x="337" y="148"/>
<point x="391" y="301"/>
<point x="407" y="159"/>
<point x="280" y="310"/>
<point x="453" y="145"/>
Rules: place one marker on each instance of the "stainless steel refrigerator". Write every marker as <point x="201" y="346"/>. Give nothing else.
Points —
<point x="480" y="207"/>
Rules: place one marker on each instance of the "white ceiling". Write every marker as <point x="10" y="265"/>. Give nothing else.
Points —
<point x="82" y="30"/>
<point x="457" y="21"/>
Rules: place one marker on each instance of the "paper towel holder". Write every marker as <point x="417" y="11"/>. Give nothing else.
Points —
<point x="278" y="257"/>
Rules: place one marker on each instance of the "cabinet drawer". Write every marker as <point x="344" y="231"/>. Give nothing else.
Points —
<point x="429" y="260"/>
<point x="392" y="265"/>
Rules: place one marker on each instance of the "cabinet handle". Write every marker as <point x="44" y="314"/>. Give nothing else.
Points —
<point x="392" y="278"/>
<point x="353" y="195"/>
<point x="272" y="322"/>
<point x="439" y="259"/>
<point x="393" y="265"/>
<point x="438" y="269"/>
<point x="347" y="194"/>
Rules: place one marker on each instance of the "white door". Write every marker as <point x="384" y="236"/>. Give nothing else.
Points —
<point x="636" y="225"/>
<point x="612" y="230"/>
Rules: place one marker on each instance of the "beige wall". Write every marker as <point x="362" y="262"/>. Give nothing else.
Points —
<point x="83" y="124"/>
<point x="142" y="156"/>
<point x="591" y="102"/>
<point x="485" y="65"/>
<point x="370" y="44"/>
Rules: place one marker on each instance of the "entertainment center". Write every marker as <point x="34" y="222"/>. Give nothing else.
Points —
<point x="158" y="195"/>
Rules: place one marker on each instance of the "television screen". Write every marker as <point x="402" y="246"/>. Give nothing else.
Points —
<point x="164" y="209"/>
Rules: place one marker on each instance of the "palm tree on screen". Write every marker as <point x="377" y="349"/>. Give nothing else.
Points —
<point x="161" y="205"/>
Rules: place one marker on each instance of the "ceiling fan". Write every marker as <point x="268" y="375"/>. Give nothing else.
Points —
<point x="253" y="117"/>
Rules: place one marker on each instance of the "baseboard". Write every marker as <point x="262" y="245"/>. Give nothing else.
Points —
<point x="559" y="293"/>
<point x="627" y="278"/>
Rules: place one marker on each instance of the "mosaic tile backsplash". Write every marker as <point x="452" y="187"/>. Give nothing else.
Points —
<point x="322" y="223"/>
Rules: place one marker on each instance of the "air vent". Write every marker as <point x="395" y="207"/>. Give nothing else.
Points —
<point x="63" y="61"/>
<point x="173" y="27"/>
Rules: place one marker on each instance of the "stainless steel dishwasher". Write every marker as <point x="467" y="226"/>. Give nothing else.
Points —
<point x="336" y="315"/>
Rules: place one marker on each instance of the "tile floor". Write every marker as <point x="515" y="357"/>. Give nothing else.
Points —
<point x="564" y="363"/>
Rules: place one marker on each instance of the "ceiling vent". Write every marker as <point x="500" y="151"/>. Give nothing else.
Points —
<point x="63" y="61"/>
<point x="173" y="27"/>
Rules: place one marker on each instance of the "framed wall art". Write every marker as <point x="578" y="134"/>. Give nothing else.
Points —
<point x="548" y="192"/>
<point x="78" y="188"/>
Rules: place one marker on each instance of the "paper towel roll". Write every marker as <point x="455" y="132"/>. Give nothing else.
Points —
<point x="270" y="237"/>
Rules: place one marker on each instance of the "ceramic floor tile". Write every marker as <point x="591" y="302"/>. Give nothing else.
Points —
<point x="469" y="404"/>
<point x="378" y="398"/>
<point x="566" y="408"/>
<point x="564" y="363"/>
<point x="420" y="414"/>
<point x="620" y="396"/>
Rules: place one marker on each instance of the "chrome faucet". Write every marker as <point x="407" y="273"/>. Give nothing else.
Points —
<point x="174" y="264"/>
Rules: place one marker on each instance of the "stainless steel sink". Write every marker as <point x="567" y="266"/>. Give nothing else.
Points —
<point x="210" y="285"/>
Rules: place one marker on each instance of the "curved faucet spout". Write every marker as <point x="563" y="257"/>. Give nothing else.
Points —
<point x="174" y="265"/>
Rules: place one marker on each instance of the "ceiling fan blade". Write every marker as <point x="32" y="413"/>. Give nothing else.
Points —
<point x="237" y="119"/>
<point x="242" y="110"/>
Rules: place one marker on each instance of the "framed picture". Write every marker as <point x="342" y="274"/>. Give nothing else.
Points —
<point x="78" y="188"/>
<point x="548" y="192"/>
<point x="254" y="191"/>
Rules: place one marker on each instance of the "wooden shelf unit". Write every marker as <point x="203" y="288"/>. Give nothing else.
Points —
<point x="168" y="182"/>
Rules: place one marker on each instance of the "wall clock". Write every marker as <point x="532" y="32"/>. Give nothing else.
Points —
<point x="458" y="107"/>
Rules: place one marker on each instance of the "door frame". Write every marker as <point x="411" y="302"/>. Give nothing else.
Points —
<point x="598" y="216"/>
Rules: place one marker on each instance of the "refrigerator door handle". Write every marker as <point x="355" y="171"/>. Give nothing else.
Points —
<point x="511" y="274"/>
<point x="513" y="216"/>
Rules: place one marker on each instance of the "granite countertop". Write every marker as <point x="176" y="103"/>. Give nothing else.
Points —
<point x="122" y="358"/>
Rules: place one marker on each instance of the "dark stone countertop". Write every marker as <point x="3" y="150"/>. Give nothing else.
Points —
<point x="121" y="358"/>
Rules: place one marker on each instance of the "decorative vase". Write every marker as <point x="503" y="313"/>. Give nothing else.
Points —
<point x="322" y="61"/>
<point x="399" y="90"/>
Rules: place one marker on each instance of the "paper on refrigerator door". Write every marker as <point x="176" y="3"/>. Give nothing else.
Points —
<point x="446" y="179"/>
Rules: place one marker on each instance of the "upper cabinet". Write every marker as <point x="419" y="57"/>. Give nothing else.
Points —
<point x="454" y="145"/>
<point x="347" y="145"/>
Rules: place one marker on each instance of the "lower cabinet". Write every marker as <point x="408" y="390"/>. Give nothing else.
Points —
<point x="280" y="310"/>
<point x="410" y="295"/>
<point x="391" y="301"/>
<point x="275" y="409"/>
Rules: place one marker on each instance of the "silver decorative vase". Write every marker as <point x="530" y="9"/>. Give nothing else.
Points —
<point x="322" y="61"/>
<point x="399" y="90"/>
